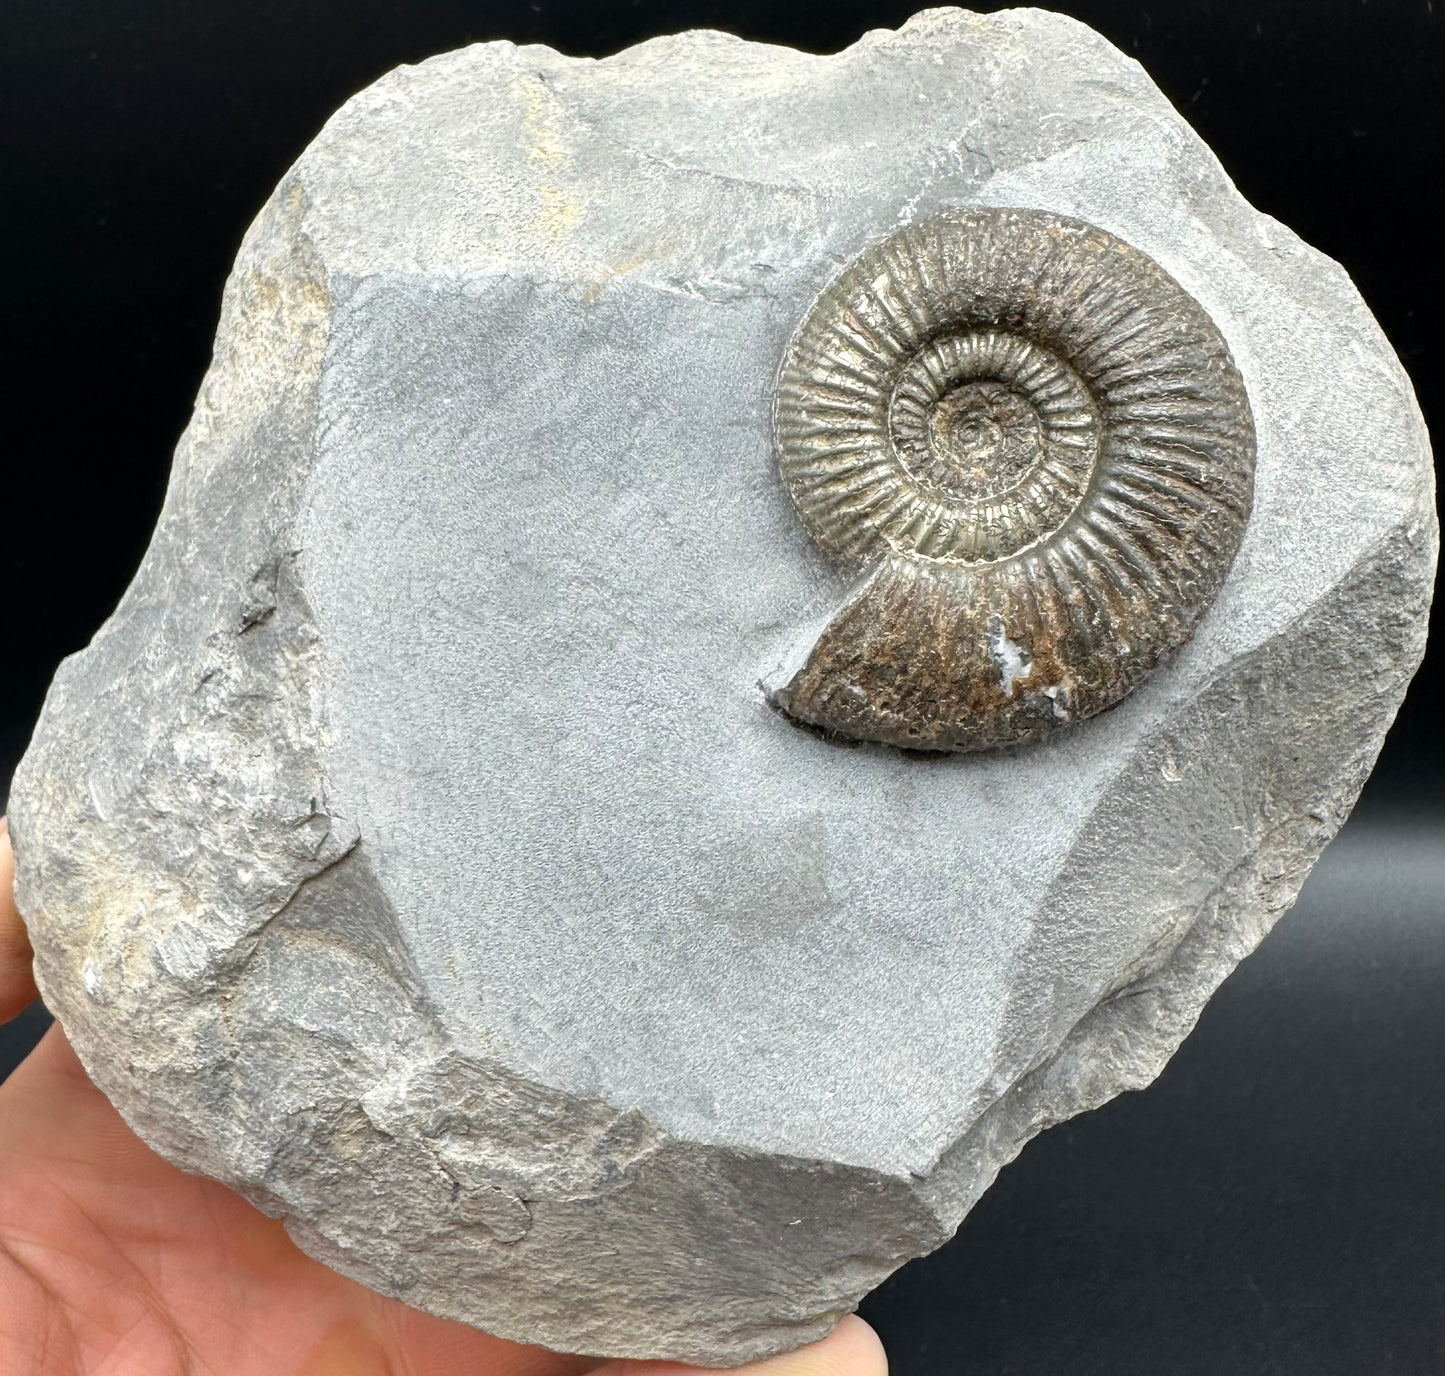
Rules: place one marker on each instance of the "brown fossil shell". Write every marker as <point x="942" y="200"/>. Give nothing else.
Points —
<point x="1036" y="445"/>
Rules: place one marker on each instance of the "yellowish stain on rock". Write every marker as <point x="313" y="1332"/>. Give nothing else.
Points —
<point x="559" y="209"/>
<point x="275" y="321"/>
<point x="608" y="273"/>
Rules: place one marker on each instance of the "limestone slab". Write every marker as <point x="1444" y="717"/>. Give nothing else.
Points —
<point x="416" y="849"/>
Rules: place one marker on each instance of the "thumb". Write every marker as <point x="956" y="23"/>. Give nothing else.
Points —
<point x="851" y="1349"/>
<point x="17" y="984"/>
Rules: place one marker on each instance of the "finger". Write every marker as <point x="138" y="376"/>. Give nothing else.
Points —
<point x="17" y="981"/>
<point x="851" y="1349"/>
<point x="100" y="1219"/>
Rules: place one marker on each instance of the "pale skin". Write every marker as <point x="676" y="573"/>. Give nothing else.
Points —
<point x="115" y="1263"/>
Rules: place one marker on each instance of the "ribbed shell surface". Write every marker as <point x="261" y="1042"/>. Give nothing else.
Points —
<point x="1039" y="445"/>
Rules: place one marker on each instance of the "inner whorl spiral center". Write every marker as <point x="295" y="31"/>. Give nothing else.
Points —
<point x="998" y="432"/>
<point x="982" y="438"/>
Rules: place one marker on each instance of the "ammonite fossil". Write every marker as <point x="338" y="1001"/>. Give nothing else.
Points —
<point x="1037" y="447"/>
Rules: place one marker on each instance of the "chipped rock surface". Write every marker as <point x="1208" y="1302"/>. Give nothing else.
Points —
<point x="415" y="849"/>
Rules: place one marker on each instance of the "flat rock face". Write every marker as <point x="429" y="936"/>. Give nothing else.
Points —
<point x="416" y="849"/>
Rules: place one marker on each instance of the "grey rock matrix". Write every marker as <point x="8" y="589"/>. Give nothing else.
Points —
<point x="415" y="849"/>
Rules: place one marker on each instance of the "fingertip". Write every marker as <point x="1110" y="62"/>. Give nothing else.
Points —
<point x="851" y="1349"/>
<point x="17" y="979"/>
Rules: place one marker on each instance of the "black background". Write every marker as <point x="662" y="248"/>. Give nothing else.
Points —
<point x="1276" y="1202"/>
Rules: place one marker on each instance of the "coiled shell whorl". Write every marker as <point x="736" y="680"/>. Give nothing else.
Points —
<point x="1038" y="449"/>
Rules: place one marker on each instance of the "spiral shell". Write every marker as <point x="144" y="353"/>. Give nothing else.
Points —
<point x="1039" y="449"/>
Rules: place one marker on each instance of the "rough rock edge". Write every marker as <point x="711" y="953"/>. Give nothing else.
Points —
<point x="1377" y="613"/>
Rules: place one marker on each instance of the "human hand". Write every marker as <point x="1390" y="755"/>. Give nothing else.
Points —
<point x="114" y="1261"/>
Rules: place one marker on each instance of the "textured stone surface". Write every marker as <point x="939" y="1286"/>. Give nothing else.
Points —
<point x="416" y="850"/>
